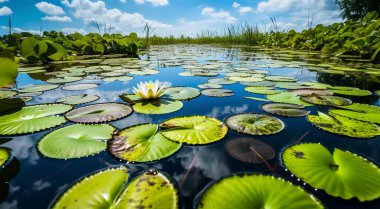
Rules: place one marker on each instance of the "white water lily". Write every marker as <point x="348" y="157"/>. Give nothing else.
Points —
<point x="149" y="90"/>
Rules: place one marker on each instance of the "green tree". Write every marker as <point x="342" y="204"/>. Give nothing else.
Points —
<point x="356" y="9"/>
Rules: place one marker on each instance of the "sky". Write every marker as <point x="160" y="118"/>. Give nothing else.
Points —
<point x="166" y="17"/>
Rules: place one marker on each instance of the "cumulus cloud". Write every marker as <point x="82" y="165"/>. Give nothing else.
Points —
<point x="5" y="11"/>
<point x="155" y="3"/>
<point x="57" y="18"/>
<point x="221" y="14"/>
<point x="2" y="1"/>
<point x="49" y="9"/>
<point x="242" y="9"/>
<point x="19" y="30"/>
<point x="90" y="11"/>
<point x="73" y="30"/>
<point x="286" y="5"/>
<point x="123" y="1"/>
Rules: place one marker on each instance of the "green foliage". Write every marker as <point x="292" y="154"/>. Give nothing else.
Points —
<point x="8" y="71"/>
<point x="55" y="46"/>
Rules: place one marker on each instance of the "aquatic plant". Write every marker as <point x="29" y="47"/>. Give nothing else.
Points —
<point x="149" y="90"/>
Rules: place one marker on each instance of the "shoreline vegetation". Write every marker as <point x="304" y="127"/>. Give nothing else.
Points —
<point x="359" y="38"/>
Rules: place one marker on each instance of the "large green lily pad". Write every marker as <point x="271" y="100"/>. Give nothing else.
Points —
<point x="327" y="100"/>
<point x="362" y="108"/>
<point x="38" y="88"/>
<point x="368" y="117"/>
<point x="287" y="97"/>
<point x="6" y="94"/>
<point x="247" y="191"/>
<point x="342" y="174"/>
<point x="182" y="93"/>
<point x="63" y="80"/>
<point x="99" y="113"/>
<point x="8" y="71"/>
<point x="283" y="109"/>
<point x="255" y="124"/>
<point x="344" y="126"/>
<point x="108" y="189"/>
<point x="157" y="106"/>
<point x="32" y="119"/>
<point x="194" y="129"/>
<point x="80" y="86"/>
<point x="311" y="92"/>
<point x="141" y="143"/>
<point x="217" y="92"/>
<point x="78" y="99"/>
<point x="350" y="91"/>
<point x="76" y="141"/>
<point x="262" y="90"/>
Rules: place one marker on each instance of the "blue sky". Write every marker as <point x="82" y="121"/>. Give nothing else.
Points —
<point x="167" y="17"/>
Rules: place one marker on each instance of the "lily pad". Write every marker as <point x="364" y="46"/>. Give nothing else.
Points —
<point x="194" y="129"/>
<point x="344" y="126"/>
<point x="311" y="92"/>
<point x="182" y="93"/>
<point x="327" y="100"/>
<point x="99" y="113"/>
<point x="157" y="106"/>
<point x="209" y="86"/>
<point x="363" y="108"/>
<point x="280" y="79"/>
<point x="350" y="91"/>
<point x="80" y="86"/>
<point x="217" y="92"/>
<point x="75" y="141"/>
<point x="287" y="97"/>
<point x="246" y="191"/>
<point x="78" y="99"/>
<point x="342" y="174"/>
<point x="32" y="119"/>
<point x="221" y="81"/>
<point x="249" y="150"/>
<point x="262" y="90"/>
<point x="367" y="117"/>
<point x="109" y="189"/>
<point x="255" y="124"/>
<point x="118" y="78"/>
<point x="5" y="155"/>
<point x="141" y="143"/>
<point x="283" y="109"/>
<point x="63" y="80"/>
<point x="7" y="94"/>
<point x="38" y="88"/>
<point x="8" y="71"/>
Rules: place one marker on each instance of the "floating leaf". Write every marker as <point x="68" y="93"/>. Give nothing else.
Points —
<point x="6" y="94"/>
<point x="78" y="99"/>
<point x="5" y="155"/>
<point x="311" y="92"/>
<point x="141" y="143"/>
<point x="108" y="189"/>
<point x="255" y="124"/>
<point x="344" y="126"/>
<point x="99" y="113"/>
<point x="75" y="141"/>
<point x="32" y="119"/>
<point x="342" y="174"/>
<point x="217" y="92"/>
<point x="368" y="117"/>
<point x="63" y="80"/>
<point x="264" y="83"/>
<point x="221" y="81"/>
<point x="280" y="78"/>
<point x="249" y="150"/>
<point x="327" y="100"/>
<point x="182" y="93"/>
<point x="80" y="86"/>
<point x="257" y="99"/>
<point x="210" y="85"/>
<point x="283" y="109"/>
<point x="350" y="91"/>
<point x="245" y="191"/>
<point x="118" y="78"/>
<point x="194" y="129"/>
<point x="287" y="97"/>
<point x="363" y="108"/>
<point x="157" y="106"/>
<point x="38" y="88"/>
<point x="262" y="90"/>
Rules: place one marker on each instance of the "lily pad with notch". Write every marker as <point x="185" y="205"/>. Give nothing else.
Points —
<point x="283" y="109"/>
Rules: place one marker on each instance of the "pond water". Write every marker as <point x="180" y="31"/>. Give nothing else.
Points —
<point x="35" y="181"/>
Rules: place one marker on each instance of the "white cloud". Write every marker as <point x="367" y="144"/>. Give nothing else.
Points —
<point x="2" y="1"/>
<point x="5" y="11"/>
<point x="242" y="9"/>
<point x="50" y="9"/>
<point x="19" y="30"/>
<point x="235" y="5"/>
<point x="57" y="18"/>
<point x="123" y="1"/>
<point x="73" y="30"/>
<point x="155" y="3"/>
<point x="90" y="11"/>
<point x="221" y="14"/>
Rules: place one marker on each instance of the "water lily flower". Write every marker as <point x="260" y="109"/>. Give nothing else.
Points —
<point x="149" y="90"/>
